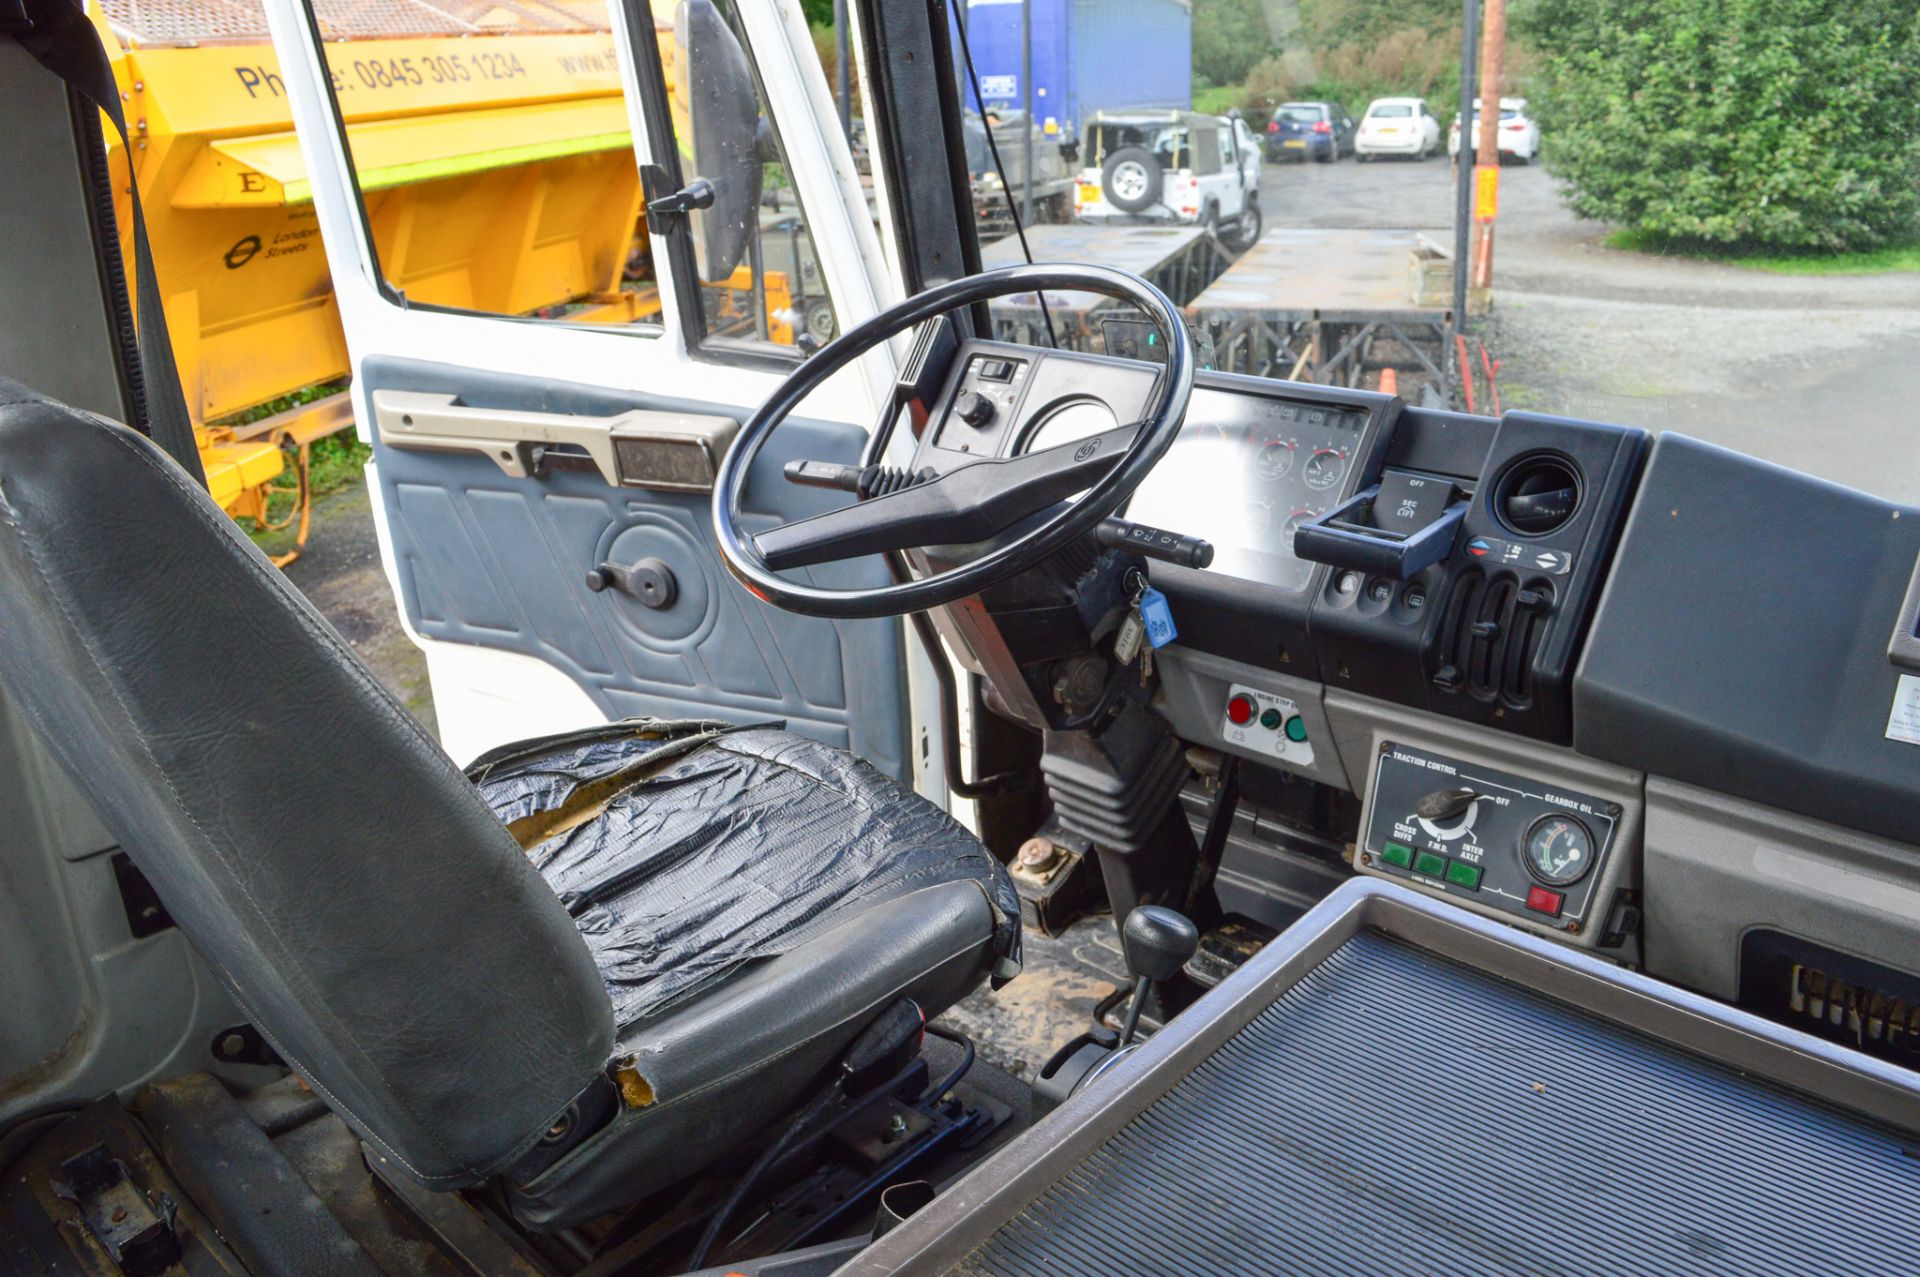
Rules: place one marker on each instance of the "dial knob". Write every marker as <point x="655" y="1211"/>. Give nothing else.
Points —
<point x="973" y="408"/>
<point x="1445" y="804"/>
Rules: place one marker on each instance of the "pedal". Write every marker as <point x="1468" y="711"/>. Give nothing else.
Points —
<point x="1224" y="948"/>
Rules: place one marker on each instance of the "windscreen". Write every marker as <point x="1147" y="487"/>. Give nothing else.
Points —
<point x="1696" y="217"/>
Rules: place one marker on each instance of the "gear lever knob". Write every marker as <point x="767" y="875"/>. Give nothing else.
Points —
<point x="1158" y="941"/>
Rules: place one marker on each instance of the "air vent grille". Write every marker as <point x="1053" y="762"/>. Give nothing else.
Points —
<point x="1867" y="1006"/>
<point x="1489" y="636"/>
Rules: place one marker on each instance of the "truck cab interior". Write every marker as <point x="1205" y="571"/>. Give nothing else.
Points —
<point x="1242" y="825"/>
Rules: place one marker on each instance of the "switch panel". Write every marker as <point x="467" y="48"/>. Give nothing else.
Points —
<point x="1487" y="837"/>
<point x="1267" y="723"/>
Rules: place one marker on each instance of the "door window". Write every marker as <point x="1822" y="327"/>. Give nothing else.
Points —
<point x="492" y="155"/>
<point x="746" y="240"/>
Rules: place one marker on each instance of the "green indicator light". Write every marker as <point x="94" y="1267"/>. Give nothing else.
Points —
<point x="1397" y="854"/>
<point x="1462" y="874"/>
<point x="1270" y="718"/>
<point x="1429" y="864"/>
<point x="1296" y="728"/>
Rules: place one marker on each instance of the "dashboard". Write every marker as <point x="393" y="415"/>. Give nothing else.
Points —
<point x="1651" y="698"/>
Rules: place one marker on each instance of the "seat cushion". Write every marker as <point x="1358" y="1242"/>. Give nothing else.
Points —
<point x="753" y="898"/>
<point x="684" y="850"/>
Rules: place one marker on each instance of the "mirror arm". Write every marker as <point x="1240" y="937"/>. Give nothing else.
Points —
<point x="668" y="203"/>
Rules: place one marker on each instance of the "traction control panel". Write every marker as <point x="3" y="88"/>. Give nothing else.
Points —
<point x="1498" y="840"/>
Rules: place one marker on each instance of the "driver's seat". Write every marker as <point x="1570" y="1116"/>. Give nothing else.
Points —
<point x="687" y="970"/>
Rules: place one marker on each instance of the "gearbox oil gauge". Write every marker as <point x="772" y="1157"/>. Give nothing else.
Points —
<point x="1558" y="850"/>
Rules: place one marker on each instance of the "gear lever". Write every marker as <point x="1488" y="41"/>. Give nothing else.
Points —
<point x="1157" y="942"/>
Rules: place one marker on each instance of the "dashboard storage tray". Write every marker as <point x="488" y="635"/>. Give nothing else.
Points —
<point x="1397" y="1087"/>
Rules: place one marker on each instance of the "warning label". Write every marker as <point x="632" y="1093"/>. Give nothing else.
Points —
<point x="1903" y="723"/>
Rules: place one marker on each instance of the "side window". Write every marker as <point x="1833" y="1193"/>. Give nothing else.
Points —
<point x="1226" y="148"/>
<point x="759" y="278"/>
<point x="492" y="153"/>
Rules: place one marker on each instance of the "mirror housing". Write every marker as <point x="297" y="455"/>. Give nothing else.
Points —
<point x="716" y="118"/>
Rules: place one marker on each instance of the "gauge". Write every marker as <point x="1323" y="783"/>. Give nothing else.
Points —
<point x="1259" y="516"/>
<point x="1324" y="468"/>
<point x="1075" y="420"/>
<point x="1558" y="850"/>
<point x="1275" y="460"/>
<point x="1294" y="520"/>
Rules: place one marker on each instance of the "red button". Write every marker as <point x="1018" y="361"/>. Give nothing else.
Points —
<point x="1240" y="710"/>
<point x="1540" y="900"/>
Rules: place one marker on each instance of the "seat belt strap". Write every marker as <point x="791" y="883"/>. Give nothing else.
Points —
<point x="59" y="36"/>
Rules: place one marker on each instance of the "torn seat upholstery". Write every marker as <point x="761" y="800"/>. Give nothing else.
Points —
<point x="692" y="918"/>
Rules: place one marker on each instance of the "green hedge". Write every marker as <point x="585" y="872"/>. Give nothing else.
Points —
<point x="1755" y="124"/>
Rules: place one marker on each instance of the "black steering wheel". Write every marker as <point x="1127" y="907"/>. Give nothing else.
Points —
<point x="973" y="503"/>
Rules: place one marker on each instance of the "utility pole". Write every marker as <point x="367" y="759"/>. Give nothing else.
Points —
<point x="1462" y="171"/>
<point x="842" y="73"/>
<point x="1493" y="47"/>
<point x="1026" y="90"/>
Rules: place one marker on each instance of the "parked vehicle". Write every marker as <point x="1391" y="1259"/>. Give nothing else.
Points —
<point x="1317" y="130"/>
<point x="1086" y="58"/>
<point x="1397" y="126"/>
<point x="1519" y="134"/>
<point x="1053" y="172"/>
<point x="1172" y="166"/>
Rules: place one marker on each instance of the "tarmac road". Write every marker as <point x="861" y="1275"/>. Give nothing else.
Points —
<point x="1817" y="372"/>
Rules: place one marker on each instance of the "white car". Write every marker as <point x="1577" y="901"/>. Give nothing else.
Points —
<point x="1519" y="134"/>
<point x="1171" y="166"/>
<point x="1397" y="126"/>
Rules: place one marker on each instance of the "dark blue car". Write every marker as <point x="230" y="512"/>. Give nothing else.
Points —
<point x="1310" y="130"/>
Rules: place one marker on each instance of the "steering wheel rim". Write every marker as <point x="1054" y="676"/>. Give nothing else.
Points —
<point x="1160" y="424"/>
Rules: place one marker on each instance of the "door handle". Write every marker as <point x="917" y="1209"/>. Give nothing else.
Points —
<point x="639" y="448"/>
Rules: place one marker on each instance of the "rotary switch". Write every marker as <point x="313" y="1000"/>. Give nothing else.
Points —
<point x="973" y="408"/>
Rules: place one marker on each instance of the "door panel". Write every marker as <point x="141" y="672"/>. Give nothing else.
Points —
<point x="489" y="563"/>
<point x="485" y="558"/>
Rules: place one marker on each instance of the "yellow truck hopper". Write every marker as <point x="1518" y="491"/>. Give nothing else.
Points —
<point x="492" y="147"/>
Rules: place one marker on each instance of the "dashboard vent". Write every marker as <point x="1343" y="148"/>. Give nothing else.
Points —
<point x="1537" y="495"/>
<point x="1865" y="1005"/>
<point x="1488" y="637"/>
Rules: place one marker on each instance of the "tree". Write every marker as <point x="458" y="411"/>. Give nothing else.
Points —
<point x="1750" y="123"/>
<point x="1229" y="36"/>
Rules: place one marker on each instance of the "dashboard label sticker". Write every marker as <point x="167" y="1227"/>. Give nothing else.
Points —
<point x="1512" y="553"/>
<point x="1903" y="724"/>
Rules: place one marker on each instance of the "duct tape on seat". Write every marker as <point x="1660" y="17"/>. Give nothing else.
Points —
<point x="685" y="849"/>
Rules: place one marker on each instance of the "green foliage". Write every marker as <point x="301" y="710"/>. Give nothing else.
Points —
<point x="1229" y="36"/>
<point x="1352" y="51"/>
<point x="1761" y="124"/>
<point x="1328" y="24"/>
<point x="819" y="13"/>
<point x="1409" y="61"/>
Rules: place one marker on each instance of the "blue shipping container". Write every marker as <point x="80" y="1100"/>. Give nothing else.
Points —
<point x="1088" y="55"/>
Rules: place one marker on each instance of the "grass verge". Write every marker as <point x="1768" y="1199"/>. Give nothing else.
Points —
<point x="1879" y="261"/>
<point x="1216" y="99"/>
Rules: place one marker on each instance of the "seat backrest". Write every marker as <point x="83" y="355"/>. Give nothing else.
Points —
<point x="372" y="918"/>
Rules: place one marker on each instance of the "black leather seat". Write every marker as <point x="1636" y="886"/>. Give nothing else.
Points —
<point x="712" y="927"/>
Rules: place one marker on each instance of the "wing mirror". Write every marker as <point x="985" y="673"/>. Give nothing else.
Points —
<point x="716" y="114"/>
